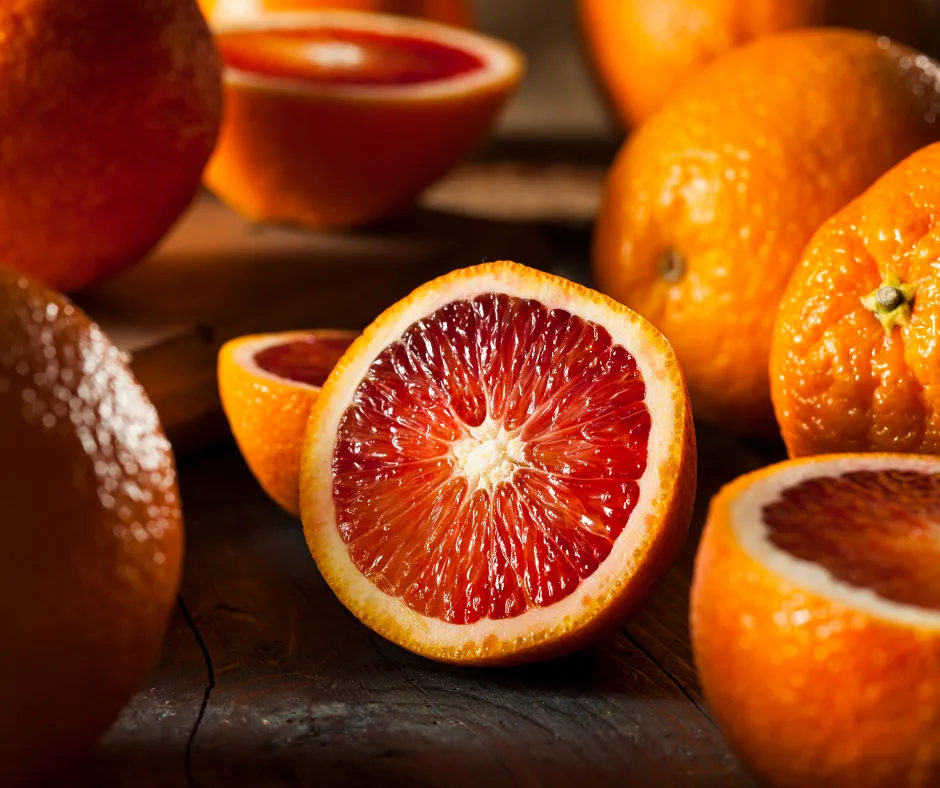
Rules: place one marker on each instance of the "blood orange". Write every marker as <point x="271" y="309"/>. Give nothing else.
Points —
<point x="816" y="620"/>
<point x="335" y="119"/>
<point x="267" y="383"/>
<point x="499" y="468"/>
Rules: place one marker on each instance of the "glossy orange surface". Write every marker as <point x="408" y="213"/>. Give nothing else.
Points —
<point x="91" y="540"/>
<point x="710" y="204"/>
<point x="110" y="110"/>
<point x="841" y="382"/>
<point x="809" y="690"/>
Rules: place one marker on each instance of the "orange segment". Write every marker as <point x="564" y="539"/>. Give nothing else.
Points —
<point x="816" y="620"/>
<point x="267" y="383"/>
<point x="336" y="119"/>
<point x="499" y="468"/>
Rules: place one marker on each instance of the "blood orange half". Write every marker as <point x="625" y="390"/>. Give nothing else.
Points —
<point x="334" y="119"/>
<point x="816" y="620"/>
<point x="268" y="383"/>
<point x="499" y="468"/>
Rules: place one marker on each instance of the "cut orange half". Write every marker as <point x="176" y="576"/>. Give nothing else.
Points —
<point x="267" y="384"/>
<point x="334" y="119"/>
<point x="816" y="620"/>
<point x="499" y="468"/>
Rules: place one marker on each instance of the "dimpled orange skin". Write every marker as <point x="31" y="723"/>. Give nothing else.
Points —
<point x="449" y="12"/>
<point x="268" y="418"/>
<point x="840" y="382"/>
<point x="314" y="157"/>
<point x="646" y="50"/>
<point x="735" y="175"/>
<point x="92" y="537"/>
<point x="110" y="110"/>
<point x="807" y="691"/>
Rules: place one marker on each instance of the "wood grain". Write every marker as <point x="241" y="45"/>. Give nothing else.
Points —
<point x="303" y="694"/>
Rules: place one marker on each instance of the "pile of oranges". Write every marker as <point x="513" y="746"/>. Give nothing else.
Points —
<point x="500" y="467"/>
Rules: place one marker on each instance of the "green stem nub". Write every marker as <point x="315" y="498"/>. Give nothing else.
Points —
<point x="891" y="302"/>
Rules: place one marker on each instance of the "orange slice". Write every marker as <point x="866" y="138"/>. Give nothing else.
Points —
<point x="334" y="119"/>
<point x="816" y="620"/>
<point x="268" y="383"/>
<point x="499" y="468"/>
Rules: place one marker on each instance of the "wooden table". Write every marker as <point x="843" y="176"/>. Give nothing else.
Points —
<point x="266" y="680"/>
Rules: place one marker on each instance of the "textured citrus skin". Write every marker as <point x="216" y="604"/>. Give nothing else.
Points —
<point x="315" y="157"/>
<point x="268" y="418"/>
<point x="110" y="110"/>
<point x="666" y="523"/>
<point x="92" y="535"/>
<point x="807" y="690"/>
<point x="735" y="175"/>
<point x="448" y="12"/>
<point x="840" y="382"/>
<point x="646" y="50"/>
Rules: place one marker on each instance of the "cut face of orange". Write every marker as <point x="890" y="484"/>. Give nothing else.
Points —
<point x="335" y="119"/>
<point x="816" y="620"/>
<point x="449" y="12"/>
<point x="499" y="468"/>
<point x="267" y="384"/>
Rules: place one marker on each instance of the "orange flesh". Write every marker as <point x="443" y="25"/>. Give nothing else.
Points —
<point x="410" y="521"/>
<point x="309" y="360"/>
<point x="345" y="57"/>
<point x="877" y="530"/>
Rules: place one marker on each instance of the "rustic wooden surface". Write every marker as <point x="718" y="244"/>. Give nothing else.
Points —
<point x="266" y="680"/>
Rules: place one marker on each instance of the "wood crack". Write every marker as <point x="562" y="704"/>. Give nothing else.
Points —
<point x="207" y="693"/>
<point x="678" y="684"/>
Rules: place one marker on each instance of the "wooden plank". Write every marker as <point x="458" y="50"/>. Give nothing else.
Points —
<point x="306" y="695"/>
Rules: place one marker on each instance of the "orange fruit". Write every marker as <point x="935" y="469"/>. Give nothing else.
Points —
<point x="92" y="537"/>
<point x="449" y="12"/>
<point x="709" y="206"/>
<point x="110" y="110"/>
<point x="499" y="468"/>
<point x="267" y="383"/>
<point x="645" y="51"/>
<point x="335" y="119"/>
<point x="816" y="620"/>
<point x="854" y="366"/>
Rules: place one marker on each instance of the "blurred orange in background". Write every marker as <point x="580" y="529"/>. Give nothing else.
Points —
<point x="336" y="119"/>
<point x="450" y="12"/>
<point x="109" y="111"/>
<point x="646" y="50"/>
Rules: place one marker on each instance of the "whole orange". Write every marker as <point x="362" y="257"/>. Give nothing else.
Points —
<point x="110" y="110"/>
<point x="646" y="50"/>
<point x="710" y="204"/>
<point x="449" y="12"/>
<point x="854" y="362"/>
<point x="91" y="538"/>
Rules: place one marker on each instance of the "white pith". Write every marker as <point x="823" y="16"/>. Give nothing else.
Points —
<point x="489" y="455"/>
<point x="244" y="355"/>
<point x="752" y="534"/>
<point x="484" y="460"/>
<point x="501" y="62"/>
